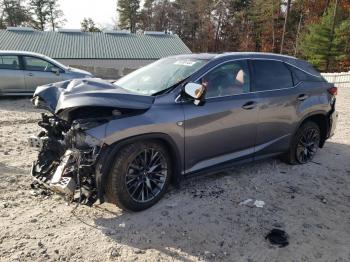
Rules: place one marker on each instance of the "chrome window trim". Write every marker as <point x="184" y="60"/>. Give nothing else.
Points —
<point x="251" y="92"/>
<point x="271" y="59"/>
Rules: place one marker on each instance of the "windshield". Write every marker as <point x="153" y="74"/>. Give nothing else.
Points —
<point x="160" y="76"/>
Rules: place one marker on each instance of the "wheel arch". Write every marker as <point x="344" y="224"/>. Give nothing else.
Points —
<point x="321" y="119"/>
<point x="106" y="158"/>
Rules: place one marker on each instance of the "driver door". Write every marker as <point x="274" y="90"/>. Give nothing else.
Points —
<point x="38" y="72"/>
<point x="224" y="127"/>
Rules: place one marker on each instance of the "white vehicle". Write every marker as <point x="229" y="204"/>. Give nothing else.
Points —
<point x="22" y="72"/>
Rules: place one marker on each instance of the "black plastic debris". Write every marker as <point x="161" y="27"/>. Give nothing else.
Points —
<point x="278" y="237"/>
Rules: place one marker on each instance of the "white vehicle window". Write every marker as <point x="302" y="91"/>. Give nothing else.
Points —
<point x="37" y="64"/>
<point x="9" y="62"/>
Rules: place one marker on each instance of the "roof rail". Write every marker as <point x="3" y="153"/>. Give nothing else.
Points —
<point x="66" y="30"/>
<point x="154" y="33"/>
<point x="20" y="28"/>
<point x="117" y="32"/>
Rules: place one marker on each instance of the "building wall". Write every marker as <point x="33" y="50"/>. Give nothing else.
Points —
<point x="106" y="68"/>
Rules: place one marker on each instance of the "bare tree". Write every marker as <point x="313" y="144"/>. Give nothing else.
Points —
<point x="285" y="24"/>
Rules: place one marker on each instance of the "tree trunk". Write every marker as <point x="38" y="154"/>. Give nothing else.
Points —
<point x="273" y="25"/>
<point x="285" y="25"/>
<point x="332" y="35"/>
<point x="217" y="34"/>
<point x="299" y="28"/>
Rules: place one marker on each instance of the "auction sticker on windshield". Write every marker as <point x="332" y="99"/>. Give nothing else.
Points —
<point x="185" y="62"/>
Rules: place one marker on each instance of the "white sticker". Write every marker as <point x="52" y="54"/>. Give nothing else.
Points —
<point x="185" y="62"/>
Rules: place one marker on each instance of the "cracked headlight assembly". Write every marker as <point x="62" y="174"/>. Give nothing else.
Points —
<point x="81" y="139"/>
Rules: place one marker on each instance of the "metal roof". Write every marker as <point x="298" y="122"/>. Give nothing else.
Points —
<point x="89" y="45"/>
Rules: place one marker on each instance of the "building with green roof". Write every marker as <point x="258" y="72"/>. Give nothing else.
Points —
<point x="108" y="54"/>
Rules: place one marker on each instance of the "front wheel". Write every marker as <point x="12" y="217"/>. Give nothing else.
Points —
<point x="305" y="144"/>
<point x="140" y="176"/>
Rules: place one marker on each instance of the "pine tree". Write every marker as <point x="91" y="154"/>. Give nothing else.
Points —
<point x="55" y="14"/>
<point x="14" y="13"/>
<point x="320" y="45"/>
<point x="40" y="13"/>
<point x="128" y="14"/>
<point x="147" y="15"/>
<point x="342" y="43"/>
<point x="88" y="25"/>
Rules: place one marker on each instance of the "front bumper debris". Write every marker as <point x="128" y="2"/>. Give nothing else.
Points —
<point x="66" y="163"/>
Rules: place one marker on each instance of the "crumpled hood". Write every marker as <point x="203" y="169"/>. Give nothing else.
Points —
<point x="88" y="92"/>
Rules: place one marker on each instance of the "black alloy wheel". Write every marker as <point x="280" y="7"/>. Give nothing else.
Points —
<point x="146" y="175"/>
<point x="308" y="144"/>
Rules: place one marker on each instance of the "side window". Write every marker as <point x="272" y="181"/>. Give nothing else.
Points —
<point x="270" y="75"/>
<point x="301" y="76"/>
<point x="9" y="62"/>
<point x="228" y="79"/>
<point x="37" y="64"/>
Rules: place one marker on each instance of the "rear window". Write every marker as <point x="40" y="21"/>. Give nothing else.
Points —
<point x="271" y="75"/>
<point x="9" y="62"/>
<point x="301" y="76"/>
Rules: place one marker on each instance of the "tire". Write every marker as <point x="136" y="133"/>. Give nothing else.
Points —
<point x="129" y="176"/>
<point x="303" y="149"/>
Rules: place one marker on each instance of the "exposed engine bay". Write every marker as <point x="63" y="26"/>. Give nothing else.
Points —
<point x="68" y="155"/>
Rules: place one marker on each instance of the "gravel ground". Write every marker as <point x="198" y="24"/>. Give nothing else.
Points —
<point x="201" y="221"/>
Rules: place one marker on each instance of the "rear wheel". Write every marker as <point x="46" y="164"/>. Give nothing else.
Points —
<point x="305" y="144"/>
<point x="140" y="176"/>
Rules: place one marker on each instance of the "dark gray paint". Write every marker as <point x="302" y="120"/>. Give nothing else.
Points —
<point x="90" y="92"/>
<point x="216" y="132"/>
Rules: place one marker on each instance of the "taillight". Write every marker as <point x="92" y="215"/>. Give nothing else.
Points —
<point x="333" y="91"/>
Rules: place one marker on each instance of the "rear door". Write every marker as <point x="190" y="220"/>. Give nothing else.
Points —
<point x="39" y="72"/>
<point x="224" y="128"/>
<point x="11" y="75"/>
<point x="278" y="106"/>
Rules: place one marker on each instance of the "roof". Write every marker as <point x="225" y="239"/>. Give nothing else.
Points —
<point x="301" y="64"/>
<point x="210" y="56"/>
<point x="93" y="45"/>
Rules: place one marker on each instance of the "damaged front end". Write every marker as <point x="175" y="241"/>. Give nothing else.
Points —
<point x="66" y="159"/>
<point x="68" y="155"/>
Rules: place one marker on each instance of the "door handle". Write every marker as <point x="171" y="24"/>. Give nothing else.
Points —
<point x="30" y="74"/>
<point x="302" y="97"/>
<point x="249" y="105"/>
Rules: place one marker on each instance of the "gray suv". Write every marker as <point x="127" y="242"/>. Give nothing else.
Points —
<point x="22" y="72"/>
<point x="124" y="142"/>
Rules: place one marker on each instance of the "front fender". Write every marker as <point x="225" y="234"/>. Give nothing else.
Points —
<point x="106" y="159"/>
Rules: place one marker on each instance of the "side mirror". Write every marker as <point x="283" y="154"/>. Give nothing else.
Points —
<point x="55" y="70"/>
<point x="196" y="91"/>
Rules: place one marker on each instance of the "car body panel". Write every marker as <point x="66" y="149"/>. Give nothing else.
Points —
<point x="12" y="81"/>
<point x="90" y="92"/>
<point x="214" y="132"/>
<point x="163" y="117"/>
<point x="33" y="79"/>
<point x="221" y="124"/>
<point x="219" y="131"/>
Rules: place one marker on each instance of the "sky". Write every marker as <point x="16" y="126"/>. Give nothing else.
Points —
<point x="103" y="12"/>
